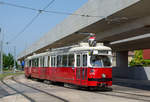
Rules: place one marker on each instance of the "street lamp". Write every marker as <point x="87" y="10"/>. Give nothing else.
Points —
<point x="1" y="52"/>
<point x="14" y="59"/>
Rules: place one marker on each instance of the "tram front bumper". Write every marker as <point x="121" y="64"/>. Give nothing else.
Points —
<point x="100" y="82"/>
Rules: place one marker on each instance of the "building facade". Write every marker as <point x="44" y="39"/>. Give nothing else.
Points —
<point x="146" y="54"/>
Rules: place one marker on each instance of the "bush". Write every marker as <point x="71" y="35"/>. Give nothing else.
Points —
<point x="146" y="63"/>
<point x="138" y="59"/>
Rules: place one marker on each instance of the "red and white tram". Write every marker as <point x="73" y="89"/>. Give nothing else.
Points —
<point x="79" y="65"/>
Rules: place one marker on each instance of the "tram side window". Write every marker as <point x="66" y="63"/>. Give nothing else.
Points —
<point x="45" y="61"/>
<point x="78" y="60"/>
<point x="26" y="63"/>
<point x="84" y="60"/>
<point x="53" y="61"/>
<point x="37" y="62"/>
<point x="64" y="62"/>
<point x="71" y="60"/>
<point x="59" y="60"/>
<point x="41" y="62"/>
<point x="33" y="62"/>
<point x="30" y="63"/>
<point x="48" y="63"/>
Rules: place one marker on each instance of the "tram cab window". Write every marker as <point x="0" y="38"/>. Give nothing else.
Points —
<point x="78" y="60"/>
<point x="84" y="60"/>
<point x="64" y="62"/>
<point x="106" y="61"/>
<point x="71" y="60"/>
<point x="100" y="61"/>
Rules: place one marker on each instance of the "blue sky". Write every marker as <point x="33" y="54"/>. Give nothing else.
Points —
<point x="13" y="20"/>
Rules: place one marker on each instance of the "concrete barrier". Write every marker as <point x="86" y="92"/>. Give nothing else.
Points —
<point x="136" y="73"/>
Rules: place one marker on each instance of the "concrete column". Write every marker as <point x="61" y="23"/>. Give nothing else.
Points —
<point x="122" y="64"/>
<point x="122" y="59"/>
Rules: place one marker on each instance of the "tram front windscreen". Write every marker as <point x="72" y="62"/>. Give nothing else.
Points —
<point x="100" y="61"/>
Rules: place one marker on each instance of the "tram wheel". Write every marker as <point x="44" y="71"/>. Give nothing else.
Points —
<point x="92" y="88"/>
<point x="57" y="83"/>
<point x="105" y="89"/>
<point x="40" y="80"/>
<point x="60" y="83"/>
<point x="109" y="89"/>
<point x="28" y="77"/>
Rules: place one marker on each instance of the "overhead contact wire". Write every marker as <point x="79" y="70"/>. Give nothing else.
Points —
<point x="32" y="20"/>
<point x="43" y="10"/>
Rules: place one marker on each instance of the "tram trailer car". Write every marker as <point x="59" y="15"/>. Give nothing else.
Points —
<point x="79" y="65"/>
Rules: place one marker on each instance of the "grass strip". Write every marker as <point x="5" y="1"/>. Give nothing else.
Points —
<point x="3" y="75"/>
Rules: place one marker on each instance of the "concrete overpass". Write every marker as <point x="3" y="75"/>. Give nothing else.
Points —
<point x="121" y="24"/>
<point x="104" y="17"/>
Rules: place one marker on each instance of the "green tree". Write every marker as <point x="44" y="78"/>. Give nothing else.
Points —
<point x="8" y="60"/>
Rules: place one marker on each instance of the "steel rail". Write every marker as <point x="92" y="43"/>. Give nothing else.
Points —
<point x="39" y="90"/>
<point x="27" y="97"/>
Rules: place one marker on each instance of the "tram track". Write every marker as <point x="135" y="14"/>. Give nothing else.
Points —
<point x="120" y="94"/>
<point x="49" y="94"/>
<point x="19" y="92"/>
<point x="114" y="93"/>
<point x="31" y="99"/>
<point x="126" y="95"/>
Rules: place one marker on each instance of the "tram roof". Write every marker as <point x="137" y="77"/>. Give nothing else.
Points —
<point x="86" y="47"/>
<point x="80" y="47"/>
<point x="38" y="55"/>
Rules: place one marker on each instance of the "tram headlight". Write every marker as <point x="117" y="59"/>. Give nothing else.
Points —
<point x="103" y="75"/>
<point x="92" y="72"/>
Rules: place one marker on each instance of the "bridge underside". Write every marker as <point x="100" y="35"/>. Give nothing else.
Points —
<point x="106" y="15"/>
<point x="124" y="27"/>
<point x="142" y="43"/>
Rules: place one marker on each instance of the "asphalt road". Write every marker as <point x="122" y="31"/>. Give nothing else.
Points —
<point x="20" y="89"/>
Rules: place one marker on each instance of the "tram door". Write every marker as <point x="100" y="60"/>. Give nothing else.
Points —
<point x="42" y="68"/>
<point x="81" y="70"/>
<point x="53" y="70"/>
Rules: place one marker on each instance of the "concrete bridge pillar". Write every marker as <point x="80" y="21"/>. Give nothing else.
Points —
<point x="122" y="59"/>
<point x="121" y="64"/>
